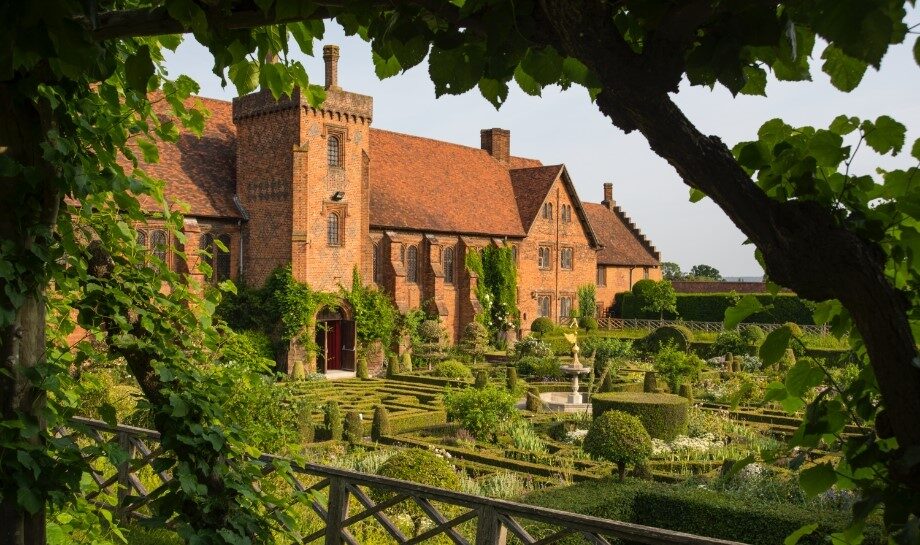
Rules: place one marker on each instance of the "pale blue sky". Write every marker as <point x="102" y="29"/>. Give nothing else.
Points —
<point x="565" y="127"/>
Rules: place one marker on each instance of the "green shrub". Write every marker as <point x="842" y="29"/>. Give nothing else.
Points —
<point x="694" y="510"/>
<point x="475" y="340"/>
<point x="542" y="326"/>
<point x="531" y="346"/>
<point x="332" y="420"/>
<point x="482" y="379"/>
<point x="607" y="381"/>
<point x="392" y="365"/>
<point x="511" y="379"/>
<point x="545" y="368"/>
<point x="710" y="307"/>
<point x="650" y="382"/>
<point x="589" y="323"/>
<point x="481" y="411"/>
<point x="729" y="342"/>
<point x="361" y="368"/>
<point x="405" y="365"/>
<point x="534" y="402"/>
<point x="452" y="369"/>
<point x="431" y="331"/>
<point x="620" y="438"/>
<point x="752" y="334"/>
<point x="420" y="466"/>
<point x="611" y="351"/>
<point x="676" y="366"/>
<point x="246" y="346"/>
<point x="686" y="391"/>
<point x="795" y="329"/>
<point x="381" y="423"/>
<point x="307" y="430"/>
<point x="354" y="427"/>
<point x="678" y="335"/>
<point x="663" y="415"/>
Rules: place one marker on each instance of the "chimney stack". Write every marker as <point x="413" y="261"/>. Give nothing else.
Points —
<point x="497" y="142"/>
<point x="331" y="58"/>
<point x="608" y="196"/>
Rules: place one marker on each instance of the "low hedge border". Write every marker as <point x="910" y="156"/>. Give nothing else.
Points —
<point x="710" y="307"/>
<point x="417" y="421"/>
<point x="663" y="415"/>
<point x="694" y="510"/>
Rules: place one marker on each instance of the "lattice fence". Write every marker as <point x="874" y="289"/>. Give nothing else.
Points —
<point x="712" y="327"/>
<point x="344" y="507"/>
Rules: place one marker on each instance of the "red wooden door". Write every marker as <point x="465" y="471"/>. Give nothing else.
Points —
<point x="334" y="345"/>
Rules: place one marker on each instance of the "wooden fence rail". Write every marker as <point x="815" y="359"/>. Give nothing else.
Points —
<point x="342" y="499"/>
<point x="711" y="327"/>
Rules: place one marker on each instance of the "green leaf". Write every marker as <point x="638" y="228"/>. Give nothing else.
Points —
<point x="245" y="76"/>
<point x="755" y="81"/>
<point x="27" y="499"/>
<point x="886" y="136"/>
<point x="803" y="376"/>
<point x="844" y="125"/>
<point x="845" y="71"/>
<point x="736" y="314"/>
<point x="817" y="479"/>
<point x="149" y="149"/>
<point x="696" y="195"/>
<point x="527" y="83"/>
<point x="108" y="414"/>
<point x="915" y="150"/>
<point x="827" y="148"/>
<point x="494" y="91"/>
<point x="543" y="65"/>
<point x="775" y="345"/>
<point x="385" y="68"/>
<point x="794" y="537"/>
<point x="139" y="69"/>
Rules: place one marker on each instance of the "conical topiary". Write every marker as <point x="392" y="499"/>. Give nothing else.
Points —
<point x="392" y="365"/>
<point x="650" y="384"/>
<point x="406" y="366"/>
<point x="534" y="402"/>
<point x="482" y="379"/>
<point x="511" y="378"/>
<point x="354" y="427"/>
<point x="361" y="368"/>
<point x="381" y="424"/>
<point x="686" y="390"/>
<point x="332" y="420"/>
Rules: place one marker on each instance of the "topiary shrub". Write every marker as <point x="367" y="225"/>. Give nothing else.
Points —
<point x="620" y="438"/>
<point x="534" y="401"/>
<point x="482" y="379"/>
<point x="306" y="430"/>
<point x="361" y="368"/>
<point x="676" y="366"/>
<point x="663" y="415"/>
<point x="354" y="427"/>
<point x="511" y="378"/>
<point x="752" y="334"/>
<point x="650" y="382"/>
<point x="589" y="323"/>
<point x="332" y="420"/>
<point x="405" y="365"/>
<point x="392" y="365"/>
<point x="787" y="361"/>
<point x="686" y="391"/>
<point x="794" y="329"/>
<point x="531" y="346"/>
<point x="380" y="426"/>
<point x="607" y="381"/>
<point x="431" y="331"/>
<point x="475" y="341"/>
<point x="677" y="335"/>
<point x="542" y="326"/>
<point x="609" y="353"/>
<point x="540" y="368"/>
<point x="729" y="341"/>
<point x="420" y="466"/>
<point x="452" y="369"/>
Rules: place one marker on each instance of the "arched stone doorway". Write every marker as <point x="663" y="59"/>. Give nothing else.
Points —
<point x="335" y="338"/>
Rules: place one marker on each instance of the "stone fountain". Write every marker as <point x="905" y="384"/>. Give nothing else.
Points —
<point x="573" y="401"/>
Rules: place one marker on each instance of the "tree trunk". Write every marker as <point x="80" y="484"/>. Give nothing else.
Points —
<point x="803" y="248"/>
<point x="28" y="207"/>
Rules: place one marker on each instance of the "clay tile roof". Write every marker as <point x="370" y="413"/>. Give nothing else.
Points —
<point x="424" y="184"/>
<point x="530" y="188"/>
<point x="623" y="243"/>
<point x="200" y="172"/>
<point x="523" y="162"/>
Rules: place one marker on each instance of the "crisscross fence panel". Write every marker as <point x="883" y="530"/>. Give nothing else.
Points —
<point x="345" y="507"/>
<point x="709" y="327"/>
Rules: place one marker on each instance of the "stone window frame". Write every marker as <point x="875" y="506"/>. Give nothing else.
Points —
<point x="565" y="306"/>
<point x="544" y="302"/>
<point x="601" y="279"/>
<point x="447" y="263"/>
<point x="341" y="210"/>
<point x="548" y="211"/>
<point x="544" y="258"/>
<point x="221" y="262"/>
<point x="567" y="264"/>
<point x="412" y="264"/>
<point x="162" y="252"/>
<point x="340" y="134"/>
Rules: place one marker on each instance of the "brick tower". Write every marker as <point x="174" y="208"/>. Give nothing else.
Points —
<point x="302" y="178"/>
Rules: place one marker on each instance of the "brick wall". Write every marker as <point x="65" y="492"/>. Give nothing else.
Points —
<point x="622" y="279"/>
<point x="553" y="282"/>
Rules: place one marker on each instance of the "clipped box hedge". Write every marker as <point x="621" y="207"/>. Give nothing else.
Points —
<point x="694" y="510"/>
<point x="663" y="415"/>
<point x="710" y="307"/>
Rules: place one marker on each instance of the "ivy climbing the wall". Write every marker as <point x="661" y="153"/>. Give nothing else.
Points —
<point x="376" y="317"/>
<point x="497" y="288"/>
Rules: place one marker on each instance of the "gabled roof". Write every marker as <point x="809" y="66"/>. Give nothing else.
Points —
<point x="531" y="185"/>
<point x="199" y="171"/>
<point x="623" y="244"/>
<point x="429" y="185"/>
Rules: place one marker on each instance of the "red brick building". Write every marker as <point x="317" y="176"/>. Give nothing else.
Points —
<point x="281" y="182"/>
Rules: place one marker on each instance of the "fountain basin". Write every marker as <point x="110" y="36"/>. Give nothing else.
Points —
<point x="559" y="402"/>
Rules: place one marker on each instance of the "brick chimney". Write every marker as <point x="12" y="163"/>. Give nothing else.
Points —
<point x="497" y="142"/>
<point x="608" y="196"/>
<point x="331" y="58"/>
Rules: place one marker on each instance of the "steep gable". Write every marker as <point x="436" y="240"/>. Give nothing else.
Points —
<point x="531" y="186"/>
<point x="622" y="242"/>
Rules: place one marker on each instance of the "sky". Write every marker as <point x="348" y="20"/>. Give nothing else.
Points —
<point x="566" y="127"/>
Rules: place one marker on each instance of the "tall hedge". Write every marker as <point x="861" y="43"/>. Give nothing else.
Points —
<point x="710" y="307"/>
<point x="694" y="510"/>
<point x="663" y="415"/>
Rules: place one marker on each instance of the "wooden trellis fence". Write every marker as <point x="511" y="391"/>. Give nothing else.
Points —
<point x="712" y="327"/>
<point x="341" y="499"/>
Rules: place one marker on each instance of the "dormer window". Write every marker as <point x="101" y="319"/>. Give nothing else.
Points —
<point x="334" y="151"/>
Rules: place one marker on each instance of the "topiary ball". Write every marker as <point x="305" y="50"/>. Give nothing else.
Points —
<point x="431" y="331"/>
<point x="542" y="325"/>
<point x="620" y="438"/>
<point x="452" y="369"/>
<point x="752" y="334"/>
<point x="419" y="466"/>
<point x="677" y="335"/>
<point x="663" y="415"/>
